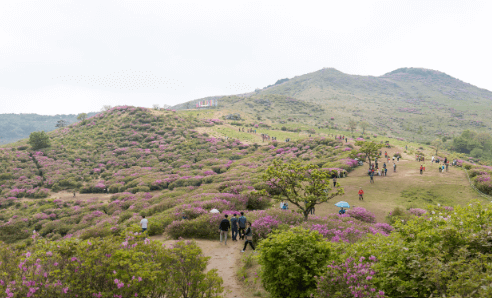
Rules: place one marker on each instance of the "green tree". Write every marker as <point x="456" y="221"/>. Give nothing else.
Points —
<point x="302" y="185"/>
<point x="369" y="149"/>
<point x="364" y="125"/>
<point x="61" y="123"/>
<point x="437" y="143"/>
<point x="38" y="140"/>
<point x="290" y="261"/>
<point x="352" y="125"/>
<point x="82" y="116"/>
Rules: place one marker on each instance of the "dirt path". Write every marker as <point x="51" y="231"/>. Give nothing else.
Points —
<point x="226" y="259"/>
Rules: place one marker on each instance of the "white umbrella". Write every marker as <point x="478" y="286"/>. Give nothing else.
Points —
<point x="214" y="211"/>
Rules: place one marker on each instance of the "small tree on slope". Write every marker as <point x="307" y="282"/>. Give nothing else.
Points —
<point x="369" y="149"/>
<point x="301" y="185"/>
<point x="38" y="140"/>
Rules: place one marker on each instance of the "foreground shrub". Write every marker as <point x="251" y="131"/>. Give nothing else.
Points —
<point x="362" y="214"/>
<point x="290" y="260"/>
<point x="112" y="267"/>
<point x="350" y="279"/>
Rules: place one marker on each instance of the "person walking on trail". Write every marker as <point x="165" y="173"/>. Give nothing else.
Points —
<point x="432" y="159"/>
<point x="394" y="167"/>
<point x="385" y="172"/>
<point x="224" y="229"/>
<point x="361" y="194"/>
<point x="385" y="154"/>
<point x="144" y="223"/>
<point x="398" y="158"/>
<point x="338" y="174"/>
<point x="372" y="176"/>
<point x="234" y="229"/>
<point x="334" y="181"/>
<point x="447" y="165"/>
<point x="442" y="170"/>
<point x="249" y="238"/>
<point x="421" y="169"/>
<point x="242" y="224"/>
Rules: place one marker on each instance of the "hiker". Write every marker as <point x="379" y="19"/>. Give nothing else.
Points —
<point x="334" y="181"/>
<point x="421" y="169"/>
<point x="338" y="174"/>
<point x="342" y="211"/>
<point x="379" y="172"/>
<point x="224" y="228"/>
<point x="74" y="194"/>
<point x="432" y="159"/>
<point x="234" y="227"/>
<point x="384" y="165"/>
<point x="242" y="225"/>
<point x="394" y="167"/>
<point x="285" y="206"/>
<point x="312" y="210"/>
<point x="385" y="154"/>
<point x="445" y="160"/>
<point x="144" y="223"/>
<point x="346" y="140"/>
<point x="249" y="238"/>
<point x="447" y="165"/>
<point x="372" y="176"/>
<point x="398" y="158"/>
<point x="361" y="194"/>
<point x="440" y="169"/>
<point x="282" y="205"/>
<point x="385" y="172"/>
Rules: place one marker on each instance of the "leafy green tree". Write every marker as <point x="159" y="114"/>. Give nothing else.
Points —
<point x="364" y="125"/>
<point x="61" y="123"/>
<point x="82" y="116"/>
<point x="369" y="149"/>
<point x="38" y="140"/>
<point x="301" y="185"/>
<point x="352" y="125"/>
<point x="437" y="143"/>
<point x="290" y="261"/>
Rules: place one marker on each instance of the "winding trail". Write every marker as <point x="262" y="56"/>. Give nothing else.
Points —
<point x="226" y="259"/>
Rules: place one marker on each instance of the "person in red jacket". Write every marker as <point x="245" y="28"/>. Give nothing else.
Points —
<point x="361" y="194"/>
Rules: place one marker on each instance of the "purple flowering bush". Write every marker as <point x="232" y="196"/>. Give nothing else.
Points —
<point x="111" y="267"/>
<point x="362" y="214"/>
<point x="349" y="279"/>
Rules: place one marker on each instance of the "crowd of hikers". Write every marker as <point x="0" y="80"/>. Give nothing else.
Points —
<point x="239" y="227"/>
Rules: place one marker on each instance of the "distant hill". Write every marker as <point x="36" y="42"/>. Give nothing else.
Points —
<point x="413" y="103"/>
<point x="14" y="127"/>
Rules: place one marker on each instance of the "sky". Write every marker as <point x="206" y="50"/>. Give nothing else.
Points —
<point x="70" y="57"/>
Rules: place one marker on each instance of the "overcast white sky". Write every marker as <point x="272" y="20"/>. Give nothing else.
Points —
<point x="60" y="57"/>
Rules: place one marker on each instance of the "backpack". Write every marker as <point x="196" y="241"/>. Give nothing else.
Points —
<point x="242" y="222"/>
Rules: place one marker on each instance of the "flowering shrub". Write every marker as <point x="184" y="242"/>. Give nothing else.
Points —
<point x="362" y="214"/>
<point x="349" y="279"/>
<point x="112" y="267"/>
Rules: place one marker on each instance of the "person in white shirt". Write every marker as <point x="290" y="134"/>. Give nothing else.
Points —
<point x="432" y="159"/>
<point x="144" y="223"/>
<point x="282" y="205"/>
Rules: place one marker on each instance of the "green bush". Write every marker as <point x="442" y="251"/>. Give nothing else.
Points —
<point x="290" y="261"/>
<point x="110" y="267"/>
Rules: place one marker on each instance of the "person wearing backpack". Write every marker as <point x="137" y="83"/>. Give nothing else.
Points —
<point x="234" y="227"/>
<point x="242" y="225"/>
<point x="224" y="229"/>
<point x="249" y="238"/>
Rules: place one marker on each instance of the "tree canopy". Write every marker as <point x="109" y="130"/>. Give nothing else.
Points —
<point x="302" y="185"/>
<point x="38" y="140"/>
<point x="368" y="149"/>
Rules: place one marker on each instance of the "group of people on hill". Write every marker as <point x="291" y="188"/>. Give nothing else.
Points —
<point x="239" y="226"/>
<point x="249" y="130"/>
<point x="340" y="137"/>
<point x="266" y="137"/>
<point x="441" y="167"/>
<point x="375" y="170"/>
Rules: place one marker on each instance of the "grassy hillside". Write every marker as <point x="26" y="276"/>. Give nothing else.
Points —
<point x="416" y="104"/>
<point x="15" y="127"/>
